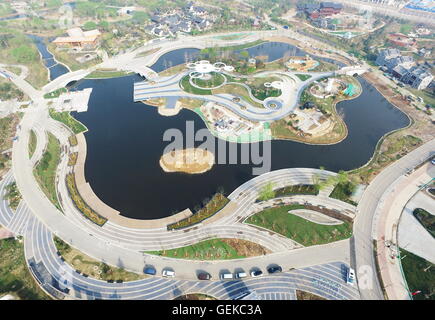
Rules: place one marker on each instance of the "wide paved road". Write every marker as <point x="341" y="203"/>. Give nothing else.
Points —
<point x="366" y="217"/>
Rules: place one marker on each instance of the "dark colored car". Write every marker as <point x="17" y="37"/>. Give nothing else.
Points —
<point x="204" y="276"/>
<point x="274" y="269"/>
<point x="150" y="271"/>
<point x="256" y="273"/>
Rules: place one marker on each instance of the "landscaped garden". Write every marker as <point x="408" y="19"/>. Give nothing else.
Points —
<point x="303" y="77"/>
<point x="307" y="233"/>
<point x="213" y="79"/>
<point x="12" y="195"/>
<point x="426" y="219"/>
<point x="343" y="191"/>
<point x="106" y="74"/>
<point x="213" y="206"/>
<point x="419" y="275"/>
<point x="215" y="249"/>
<point x="72" y="158"/>
<point x="89" y="266"/>
<point x="267" y="192"/>
<point x="15" y="277"/>
<point x="80" y="204"/>
<point x="45" y="170"/>
<point x="32" y="143"/>
<point x="68" y="120"/>
<point x="72" y="140"/>
<point x="56" y="93"/>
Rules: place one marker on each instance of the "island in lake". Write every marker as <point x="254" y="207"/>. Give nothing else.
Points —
<point x="192" y="161"/>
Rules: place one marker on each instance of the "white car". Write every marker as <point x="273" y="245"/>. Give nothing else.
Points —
<point x="350" y="277"/>
<point x="168" y="273"/>
<point x="433" y="161"/>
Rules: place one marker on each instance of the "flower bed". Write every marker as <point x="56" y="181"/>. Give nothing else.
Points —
<point x="80" y="204"/>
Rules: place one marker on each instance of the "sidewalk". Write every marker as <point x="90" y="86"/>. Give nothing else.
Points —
<point x="391" y="207"/>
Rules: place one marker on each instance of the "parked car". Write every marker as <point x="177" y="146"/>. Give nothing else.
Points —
<point x="240" y="275"/>
<point x="168" y="273"/>
<point x="350" y="277"/>
<point x="204" y="276"/>
<point x="274" y="269"/>
<point x="433" y="161"/>
<point x="256" y="273"/>
<point x="150" y="271"/>
<point x="226" y="276"/>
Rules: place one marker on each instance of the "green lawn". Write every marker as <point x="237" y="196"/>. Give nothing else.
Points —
<point x="214" y="249"/>
<point x="68" y="120"/>
<point x="32" y="143"/>
<point x="303" y="77"/>
<point x="426" y="219"/>
<point x="15" y="277"/>
<point x="101" y="74"/>
<point x="302" y="231"/>
<point x="45" y="171"/>
<point x="186" y="86"/>
<point x="343" y="191"/>
<point x="419" y="274"/>
<point x="54" y="94"/>
<point x="215" y="80"/>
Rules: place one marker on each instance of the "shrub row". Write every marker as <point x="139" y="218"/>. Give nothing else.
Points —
<point x="80" y="204"/>
<point x="212" y="207"/>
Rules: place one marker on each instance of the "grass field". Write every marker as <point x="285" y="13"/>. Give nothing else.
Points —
<point x="298" y="229"/>
<point x="419" y="274"/>
<point x="17" y="48"/>
<point x="96" y="269"/>
<point x="15" y="277"/>
<point x="45" y="171"/>
<point x="186" y="86"/>
<point x="303" y="77"/>
<point x="54" y="94"/>
<point x="68" y="120"/>
<point x="32" y="143"/>
<point x="426" y="219"/>
<point x="102" y="74"/>
<point x="215" y="249"/>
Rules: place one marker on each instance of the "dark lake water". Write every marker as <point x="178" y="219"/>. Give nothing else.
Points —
<point x="125" y="143"/>
<point x="55" y="69"/>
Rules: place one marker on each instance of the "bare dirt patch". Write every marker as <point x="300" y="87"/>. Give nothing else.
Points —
<point x="247" y="248"/>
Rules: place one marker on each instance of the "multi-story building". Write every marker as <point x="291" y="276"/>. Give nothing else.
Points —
<point x="417" y="77"/>
<point x="386" y="55"/>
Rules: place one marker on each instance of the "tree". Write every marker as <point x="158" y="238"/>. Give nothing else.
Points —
<point x="104" y="25"/>
<point x="266" y="192"/>
<point x="90" y="25"/>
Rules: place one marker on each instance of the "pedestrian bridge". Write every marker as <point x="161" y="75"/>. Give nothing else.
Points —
<point x="351" y="71"/>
